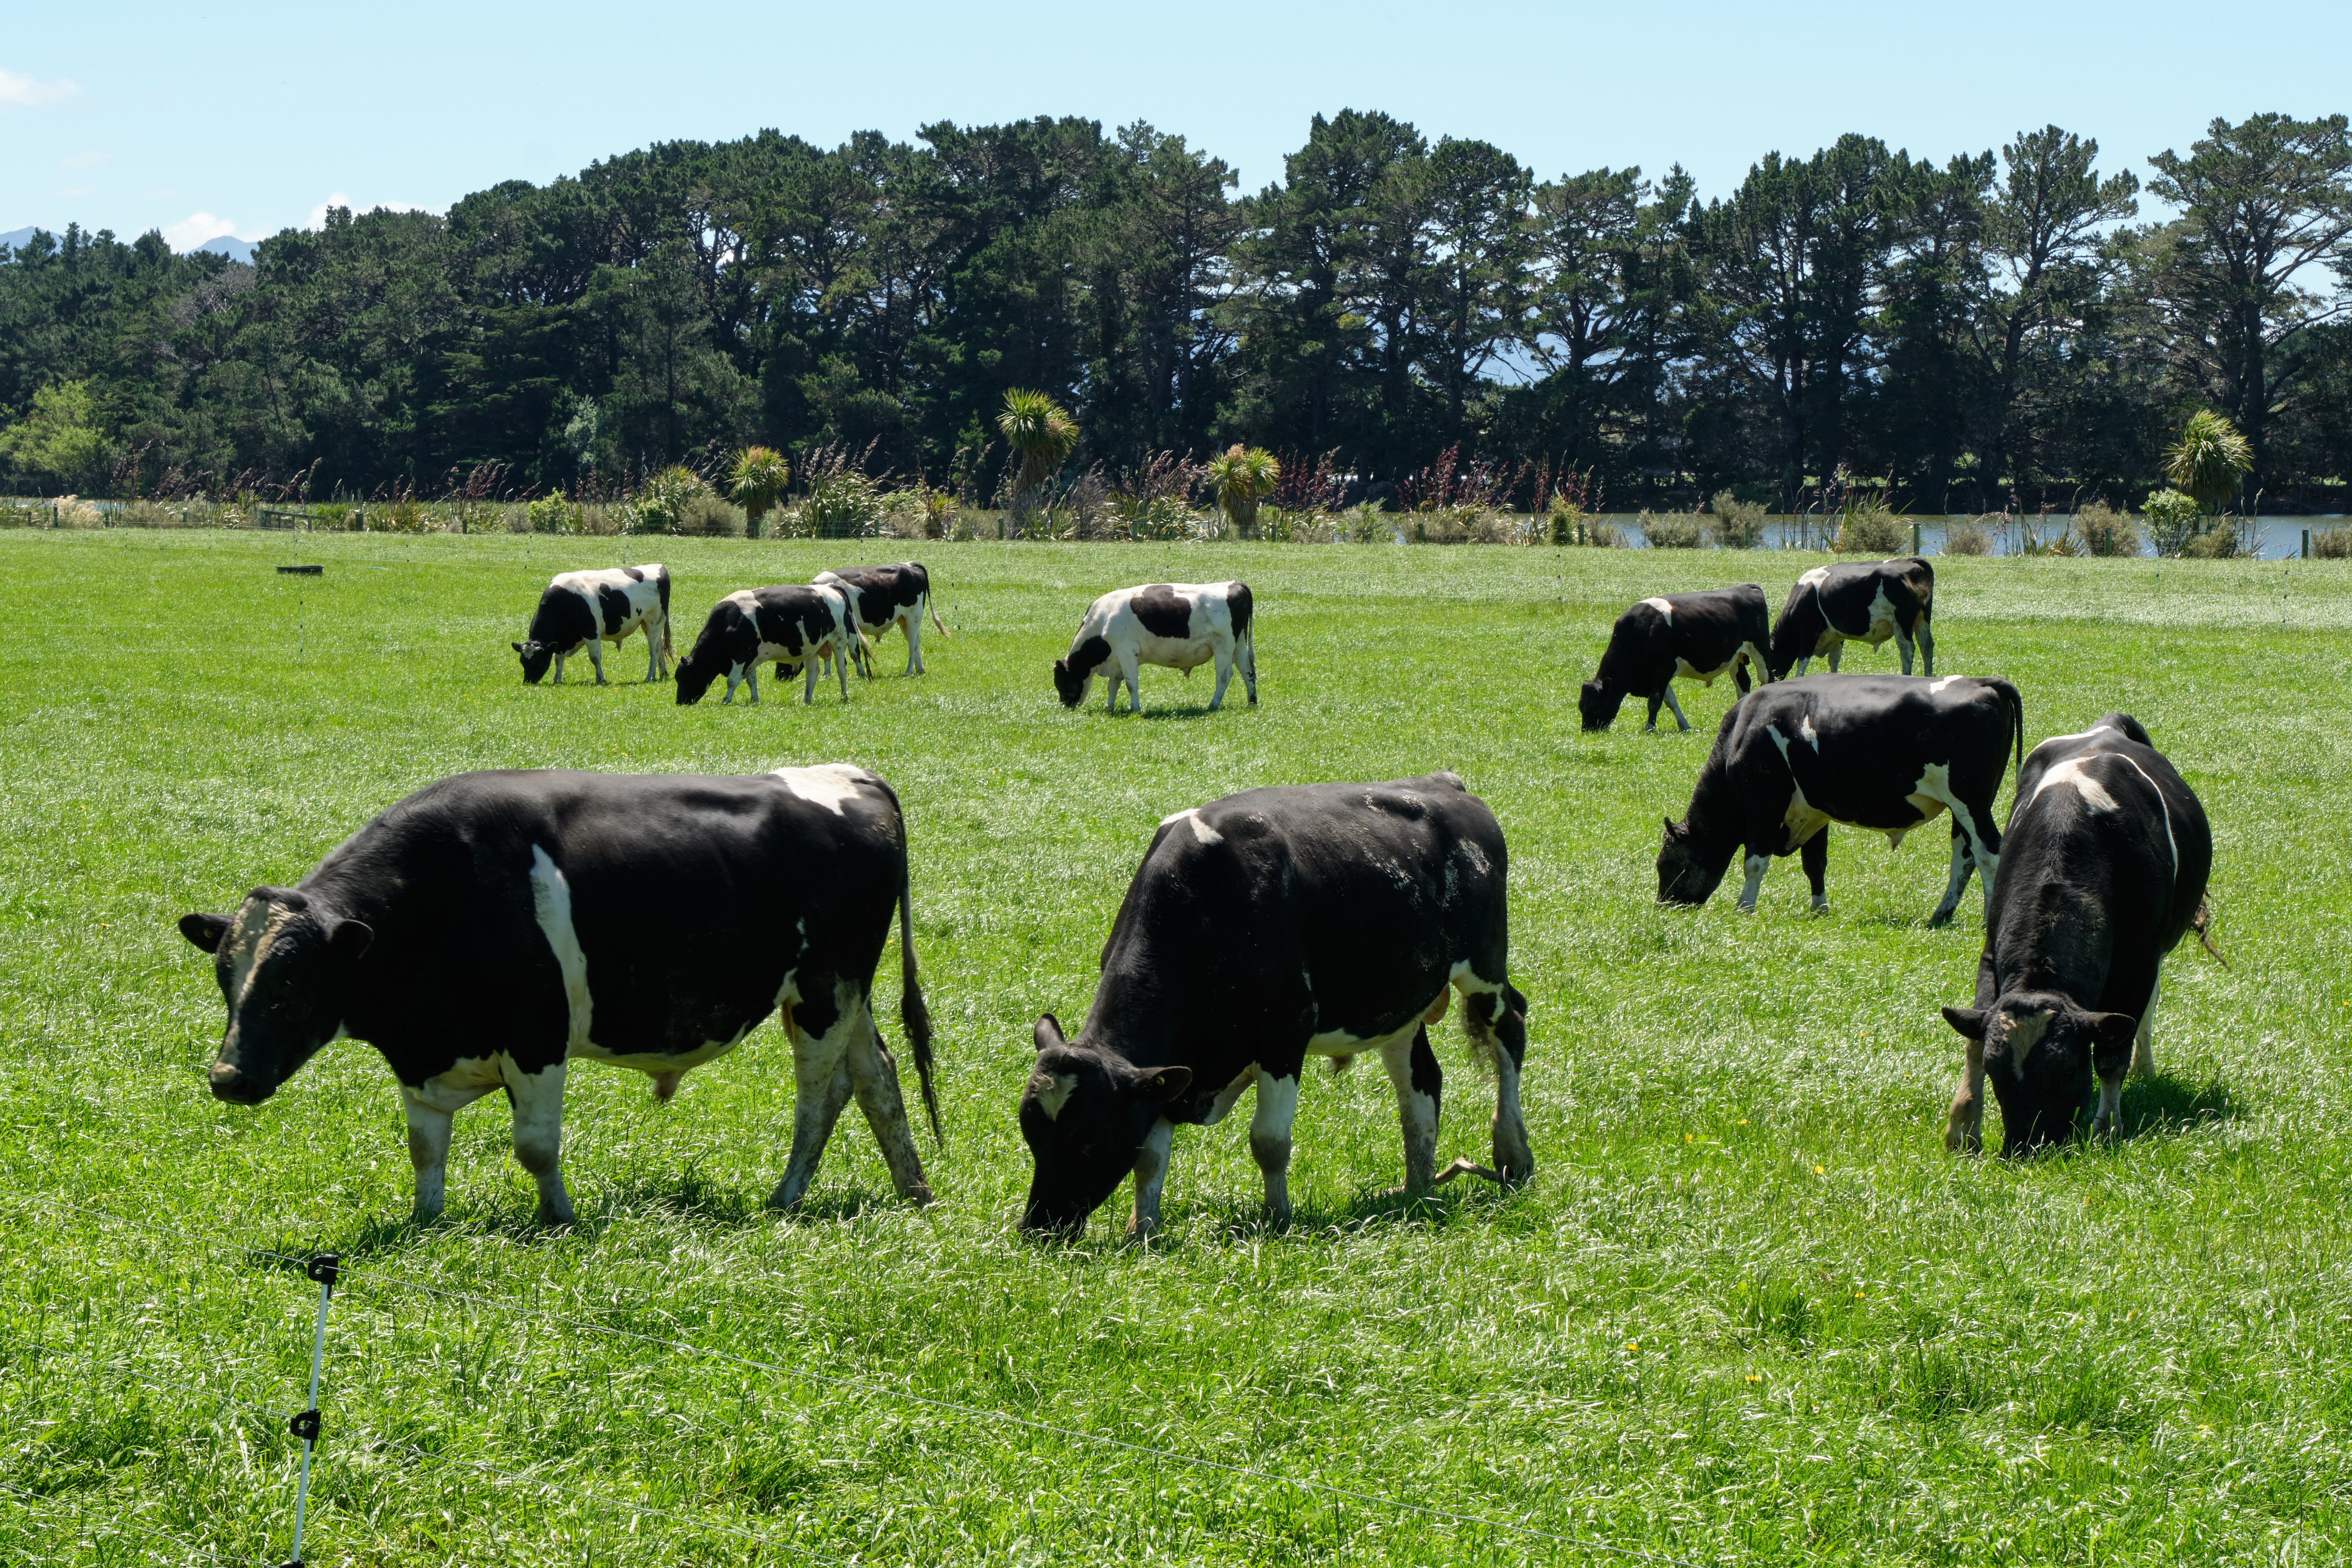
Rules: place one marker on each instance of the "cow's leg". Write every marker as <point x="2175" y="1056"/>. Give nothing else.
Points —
<point x="1962" y="864"/>
<point x="1277" y="1108"/>
<point x="1151" y="1175"/>
<point x="1495" y="1015"/>
<point x="1225" y="674"/>
<point x="538" y="1099"/>
<point x="1926" y="644"/>
<point x="653" y="653"/>
<point x="428" y="1152"/>
<point x="559" y="671"/>
<point x="1902" y="647"/>
<point x="1815" y="858"/>
<point x="1655" y="701"/>
<point x="1803" y="662"/>
<point x="1755" y="867"/>
<point x="821" y="1087"/>
<point x="1837" y="650"/>
<point x="1668" y="693"/>
<point x="875" y="1078"/>
<point x="596" y="658"/>
<point x="841" y="671"/>
<point x="911" y="623"/>
<point x="1964" y="1128"/>
<point x="1124" y="673"/>
<point x="1413" y="1068"/>
<point x="2143" y="1062"/>
<point x="1973" y="827"/>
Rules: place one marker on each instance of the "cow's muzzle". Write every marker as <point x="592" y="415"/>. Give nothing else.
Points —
<point x="230" y="1083"/>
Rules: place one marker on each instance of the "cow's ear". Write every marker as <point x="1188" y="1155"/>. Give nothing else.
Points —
<point x="350" y="939"/>
<point x="516" y="646"/>
<point x="2111" y="1031"/>
<point x="1968" y="1021"/>
<point x="1166" y="1084"/>
<point x="204" y="930"/>
<point x="1048" y="1032"/>
<point x="1671" y="831"/>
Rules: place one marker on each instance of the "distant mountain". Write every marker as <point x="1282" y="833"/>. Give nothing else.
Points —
<point x="227" y="245"/>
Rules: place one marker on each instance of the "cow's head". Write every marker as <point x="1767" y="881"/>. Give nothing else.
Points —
<point x="2042" y="1054"/>
<point x="695" y="673"/>
<point x="1071" y="675"/>
<point x="536" y="656"/>
<point x="1687" y="873"/>
<point x="1086" y="1115"/>
<point x="1599" y="703"/>
<point x="284" y="967"/>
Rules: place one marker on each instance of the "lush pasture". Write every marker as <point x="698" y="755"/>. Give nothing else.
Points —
<point x="1748" y="1311"/>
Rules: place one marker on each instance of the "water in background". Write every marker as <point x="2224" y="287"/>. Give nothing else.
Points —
<point x="2276" y="538"/>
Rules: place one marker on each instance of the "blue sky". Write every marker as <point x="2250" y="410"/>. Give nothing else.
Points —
<point x="245" y="118"/>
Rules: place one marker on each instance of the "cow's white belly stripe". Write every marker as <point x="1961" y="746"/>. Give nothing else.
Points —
<point x="550" y="900"/>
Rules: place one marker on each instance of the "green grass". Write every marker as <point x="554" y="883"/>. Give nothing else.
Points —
<point x="1749" y="1310"/>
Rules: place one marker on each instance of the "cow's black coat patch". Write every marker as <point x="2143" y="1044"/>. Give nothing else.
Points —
<point x="1163" y="613"/>
<point x="616" y="605"/>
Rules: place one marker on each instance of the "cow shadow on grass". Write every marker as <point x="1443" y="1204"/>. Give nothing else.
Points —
<point x="1176" y="711"/>
<point x="2164" y="1104"/>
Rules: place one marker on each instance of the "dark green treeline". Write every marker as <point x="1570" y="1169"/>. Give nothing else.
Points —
<point x="2001" y="328"/>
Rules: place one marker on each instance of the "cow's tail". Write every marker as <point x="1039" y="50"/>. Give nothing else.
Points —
<point x="932" y="602"/>
<point x="2008" y="694"/>
<point x="914" y="1016"/>
<point x="661" y="586"/>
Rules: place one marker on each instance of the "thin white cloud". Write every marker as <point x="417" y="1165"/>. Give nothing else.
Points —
<point x="18" y="90"/>
<point x="196" y="229"/>
<point x="343" y="199"/>
<point x="90" y="160"/>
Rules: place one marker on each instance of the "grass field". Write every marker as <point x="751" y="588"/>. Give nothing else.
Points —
<point x="1749" y="1310"/>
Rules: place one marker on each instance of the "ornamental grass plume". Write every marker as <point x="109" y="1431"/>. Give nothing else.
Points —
<point x="755" y="480"/>
<point x="1242" y="477"/>
<point x="2209" y="460"/>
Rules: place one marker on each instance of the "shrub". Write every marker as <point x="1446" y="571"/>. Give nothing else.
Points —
<point x="1736" y="524"/>
<point x="605" y="519"/>
<point x="2213" y="545"/>
<point x="554" y="514"/>
<point x="662" y="503"/>
<point x="2104" y="530"/>
<point x="147" y="514"/>
<point x="840" y="504"/>
<point x="707" y="516"/>
<point x="2174" y="519"/>
<point x="1967" y="536"/>
<point x="1870" y="527"/>
<point x="2332" y="543"/>
<point x="1669" y="530"/>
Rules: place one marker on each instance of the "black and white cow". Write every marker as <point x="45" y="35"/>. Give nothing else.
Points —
<point x="1264" y="928"/>
<point x="492" y="928"/>
<point x="1859" y="601"/>
<point x="1174" y="624"/>
<point x="2105" y="869"/>
<point x="881" y="597"/>
<point x="794" y="627"/>
<point x="1700" y="635"/>
<point x="1881" y="752"/>
<point x="592" y="608"/>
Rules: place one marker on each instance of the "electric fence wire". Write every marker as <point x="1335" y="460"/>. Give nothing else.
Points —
<point x="375" y="1275"/>
<point x="510" y="1477"/>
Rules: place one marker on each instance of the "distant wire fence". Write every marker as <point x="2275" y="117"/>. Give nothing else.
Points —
<point x="331" y="1273"/>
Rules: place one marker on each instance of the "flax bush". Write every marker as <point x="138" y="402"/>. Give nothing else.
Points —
<point x="1870" y="527"/>
<point x="2332" y="543"/>
<point x="1669" y="530"/>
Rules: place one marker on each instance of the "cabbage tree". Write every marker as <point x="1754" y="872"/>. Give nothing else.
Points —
<point x="1042" y="431"/>
<point x="755" y="480"/>
<point x="2210" y="459"/>
<point x="1242" y="477"/>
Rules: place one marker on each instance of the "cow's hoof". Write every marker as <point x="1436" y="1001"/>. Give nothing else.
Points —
<point x="1274" y="1216"/>
<point x="1939" y="920"/>
<point x="424" y="1213"/>
<point x="552" y="1216"/>
<point x="920" y="1194"/>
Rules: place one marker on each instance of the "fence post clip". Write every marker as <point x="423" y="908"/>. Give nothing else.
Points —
<point x="324" y="1268"/>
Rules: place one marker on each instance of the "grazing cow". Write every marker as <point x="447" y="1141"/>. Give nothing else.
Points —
<point x="1863" y="601"/>
<point x="793" y="626"/>
<point x="1697" y="634"/>
<point x="593" y="608"/>
<point x="2108" y="851"/>
<point x="1174" y="624"/>
<point x="881" y="597"/>
<point x="1273" y="925"/>
<point x="493" y="927"/>
<point x="1884" y="752"/>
